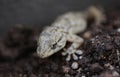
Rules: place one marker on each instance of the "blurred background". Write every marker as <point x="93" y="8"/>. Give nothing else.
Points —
<point x="43" y="12"/>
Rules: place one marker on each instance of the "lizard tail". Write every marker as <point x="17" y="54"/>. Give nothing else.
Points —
<point x="97" y="14"/>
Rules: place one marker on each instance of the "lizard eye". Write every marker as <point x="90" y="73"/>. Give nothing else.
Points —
<point x="54" y="46"/>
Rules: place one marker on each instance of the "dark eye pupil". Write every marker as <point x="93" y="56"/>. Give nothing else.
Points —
<point x="54" y="46"/>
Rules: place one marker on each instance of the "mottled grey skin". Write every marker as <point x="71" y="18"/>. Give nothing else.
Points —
<point x="64" y="29"/>
<point x="50" y="41"/>
<point x="72" y="22"/>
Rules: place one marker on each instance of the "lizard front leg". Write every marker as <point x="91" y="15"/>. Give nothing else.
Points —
<point x="72" y="50"/>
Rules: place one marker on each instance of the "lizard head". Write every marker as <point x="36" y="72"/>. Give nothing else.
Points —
<point x="50" y="42"/>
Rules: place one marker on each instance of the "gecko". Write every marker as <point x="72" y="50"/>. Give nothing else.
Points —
<point x="65" y="28"/>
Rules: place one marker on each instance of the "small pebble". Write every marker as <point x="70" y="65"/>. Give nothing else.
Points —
<point x="80" y="57"/>
<point x="87" y="35"/>
<point x="74" y="65"/>
<point x="67" y="75"/>
<point x="118" y="29"/>
<point x="83" y="76"/>
<point x="111" y="67"/>
<point x="79" y="70"/>
<point x="116" y="74"/>
<point x="107" y="65"/>
<point x="66" y="69"/>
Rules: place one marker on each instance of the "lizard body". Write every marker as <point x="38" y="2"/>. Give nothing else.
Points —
<point x="65" y="28"/>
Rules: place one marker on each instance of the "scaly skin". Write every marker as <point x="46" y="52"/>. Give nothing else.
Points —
<point x="64" y="29"/>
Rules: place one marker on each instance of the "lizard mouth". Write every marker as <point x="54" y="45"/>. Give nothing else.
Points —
<point x="44" y="54"/>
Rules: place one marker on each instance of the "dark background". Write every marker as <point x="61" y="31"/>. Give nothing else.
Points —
<point x="43" y="12"/>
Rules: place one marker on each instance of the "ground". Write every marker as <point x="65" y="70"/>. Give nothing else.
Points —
<point x="101" y="56"/>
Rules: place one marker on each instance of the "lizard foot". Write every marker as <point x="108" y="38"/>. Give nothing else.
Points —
<point x="76" y="54"/>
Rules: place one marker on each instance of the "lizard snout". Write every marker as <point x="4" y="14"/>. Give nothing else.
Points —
<point x="44" y="53"/>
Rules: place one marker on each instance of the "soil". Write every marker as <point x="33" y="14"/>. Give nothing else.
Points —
<point x="101" y="56"/>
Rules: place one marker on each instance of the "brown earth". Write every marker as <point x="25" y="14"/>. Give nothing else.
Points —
<point x="101" y="56"/>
